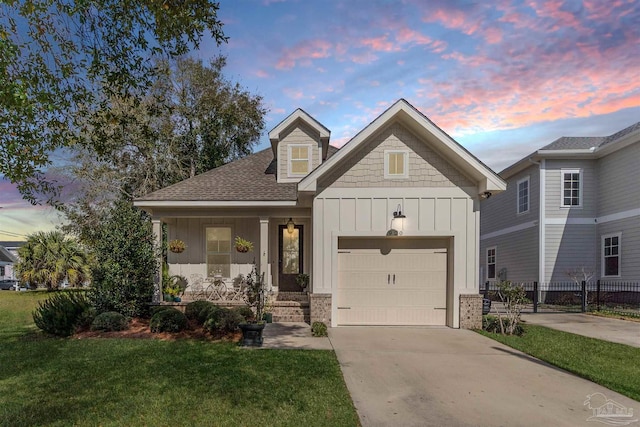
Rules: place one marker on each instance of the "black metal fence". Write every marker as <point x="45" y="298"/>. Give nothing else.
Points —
<point x="623" y="297"/>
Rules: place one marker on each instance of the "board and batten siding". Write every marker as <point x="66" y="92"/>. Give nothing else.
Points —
<point x="298" y="133"/>
<point x="619" y="181"/>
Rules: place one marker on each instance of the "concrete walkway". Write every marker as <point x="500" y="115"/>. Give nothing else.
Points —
<point x="603" y="328"/>
<point x="293" y="336"/>
<point x="451" y="377"/>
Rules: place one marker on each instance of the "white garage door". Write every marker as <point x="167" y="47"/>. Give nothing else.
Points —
<point x="399" y="287"/>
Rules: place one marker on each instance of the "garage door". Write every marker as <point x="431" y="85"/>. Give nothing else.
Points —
<point x="394" y="287"/>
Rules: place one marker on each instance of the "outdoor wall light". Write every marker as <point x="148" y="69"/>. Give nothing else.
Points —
<point x="485" y="195"/>
<point x="290" y="226"/>
<point x="397" y="215"/>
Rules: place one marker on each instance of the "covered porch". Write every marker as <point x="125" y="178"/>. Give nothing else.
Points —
<point x="212" y="266"/>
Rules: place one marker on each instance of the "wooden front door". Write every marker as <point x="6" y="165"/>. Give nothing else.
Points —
<point x="289" y="258"/>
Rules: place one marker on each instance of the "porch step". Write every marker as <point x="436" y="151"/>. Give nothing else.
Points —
<point x="292" y="296"/>
<point x="290" y="311"/>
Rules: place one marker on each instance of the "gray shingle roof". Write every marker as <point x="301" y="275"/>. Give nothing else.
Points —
<point x="586" y="142"/>
<point x="252" y="178"/>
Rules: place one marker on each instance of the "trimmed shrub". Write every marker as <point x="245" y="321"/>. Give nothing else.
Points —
<point x="319" y="329"/>
<point x="492" y="324"/>
<point x="245" y="311"/>
<point x="198" y="311"/>
<point x="62" y="314"/>
<point x="158" y="308"/>
<point x="170" y="320"/>
<point x="223" y="321"/>
<point x="110" y="321"/>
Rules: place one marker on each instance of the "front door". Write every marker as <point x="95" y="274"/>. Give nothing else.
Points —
<point x="290" y="258"/>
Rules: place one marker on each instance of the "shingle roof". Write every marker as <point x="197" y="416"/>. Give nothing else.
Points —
<point x="586" y="142"/>
<point x="252" y="178"/>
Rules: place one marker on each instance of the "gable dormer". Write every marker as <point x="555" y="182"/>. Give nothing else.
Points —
<point x="300" y="144"/>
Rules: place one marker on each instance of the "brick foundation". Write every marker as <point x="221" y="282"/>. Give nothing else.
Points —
<point x="321" y="308"/>
<point x="471" y="311"/>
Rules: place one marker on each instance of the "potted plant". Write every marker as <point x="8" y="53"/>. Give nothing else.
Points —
<point x="255" y="298"/>
<point x="243" y="245"/>
<point x="173" y="286"/>
<point x="177" y="246"/>
<point x="302" y="280"/>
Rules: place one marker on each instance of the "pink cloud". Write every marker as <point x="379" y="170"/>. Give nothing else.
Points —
<point x="381" y="44"/>
<point x="303" y="52"/>
<point x="261" y="74"/>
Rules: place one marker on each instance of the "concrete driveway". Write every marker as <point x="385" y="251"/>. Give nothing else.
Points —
<point x="452" y="377"/>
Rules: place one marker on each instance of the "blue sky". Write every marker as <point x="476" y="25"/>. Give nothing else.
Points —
<point x="503" y="77"/>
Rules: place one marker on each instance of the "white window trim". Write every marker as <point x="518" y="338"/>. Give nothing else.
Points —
<point x="289" y="159"/>
<point x="405" y="175"/>
<point x="495" y="263"/>
<point x="528" y="180"/>
<point x="602" y="271"/>
<point x="580" y="192"/>
<point x="206" y="252"/>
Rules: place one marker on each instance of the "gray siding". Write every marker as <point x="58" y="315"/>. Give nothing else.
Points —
<point x="553" y="197"/>
<point x="619" y="176"/>
<point x="500" y="211"/>
<point x="630" y="250"/>
<point x="568" y="247"/>
<point x="517" y="252"/>
<point x="298" y="133"/>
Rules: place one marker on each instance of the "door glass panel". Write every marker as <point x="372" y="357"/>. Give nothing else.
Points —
<point x="290" y="251"/>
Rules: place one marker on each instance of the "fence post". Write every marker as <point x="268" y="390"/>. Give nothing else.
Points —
<point x="486" y="289"/>
<point x="535" y="297"/>
<point x="598" y="295"/>
<point x="584" y="296"/>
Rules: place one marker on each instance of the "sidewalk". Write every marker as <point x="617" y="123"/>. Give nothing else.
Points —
<point x="603" y="328"/>
<point x="293" y="336"/>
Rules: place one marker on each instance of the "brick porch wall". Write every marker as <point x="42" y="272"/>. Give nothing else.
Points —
<point x="321" y="308"/>
<point x="471" y="311"/>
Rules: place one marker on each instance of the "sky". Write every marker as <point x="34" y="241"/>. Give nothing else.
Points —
<point x="503" y="78"/>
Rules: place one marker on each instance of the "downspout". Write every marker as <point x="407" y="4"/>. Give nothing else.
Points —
<point x="541" y="221"/>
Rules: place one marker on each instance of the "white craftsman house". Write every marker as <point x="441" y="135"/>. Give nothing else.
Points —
<point x="572" y="205"/>
<point x="387" y="227"/>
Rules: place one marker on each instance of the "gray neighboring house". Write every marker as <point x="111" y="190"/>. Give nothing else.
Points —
<point x="573" y="203"/>
<point x="8" y="257"/>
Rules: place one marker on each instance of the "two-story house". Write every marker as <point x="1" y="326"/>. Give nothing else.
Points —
<point x="572" y="205"/>
<point x="386" y="227"/>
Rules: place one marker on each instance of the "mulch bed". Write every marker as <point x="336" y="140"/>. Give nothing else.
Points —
<point x="139" y="329"/>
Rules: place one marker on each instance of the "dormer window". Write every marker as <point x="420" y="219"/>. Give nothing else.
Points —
<point x="299" y="159"/>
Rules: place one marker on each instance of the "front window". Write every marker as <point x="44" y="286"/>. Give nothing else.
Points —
<point x="218" y="251"/>
<point x="571" y="188"/>
<point x="523" y="195"/>
<point x="491" y="263"/>
<point x="299" y="159"/>
<point x="611" y="255"/>
<point x="396" y="164"/>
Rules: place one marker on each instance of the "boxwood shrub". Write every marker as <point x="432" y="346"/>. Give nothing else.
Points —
<point x="198" y="310"/>
<point x="170" y="320"/>
<point x="223" y="321"/>
<point x="110" y="321"/>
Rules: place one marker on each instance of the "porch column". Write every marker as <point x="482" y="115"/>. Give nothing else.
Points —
<point x="157" y="289"/>
<point x="264" y="249"/>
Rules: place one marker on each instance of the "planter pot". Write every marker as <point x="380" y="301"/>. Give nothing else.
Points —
<point x="177" y="299"/>
<point x="268" y="317"/>
<point x="252" y="334"/>
<point x="242" y="249"/>
<point x="167" y="297"/>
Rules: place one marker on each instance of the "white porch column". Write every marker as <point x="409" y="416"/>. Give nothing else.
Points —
<point x="264" y="249"/>
<point x="157" y="231"/>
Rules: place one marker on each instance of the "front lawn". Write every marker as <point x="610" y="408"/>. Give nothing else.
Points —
<point x="60" y="382"/>
<point x="612" y="365"/>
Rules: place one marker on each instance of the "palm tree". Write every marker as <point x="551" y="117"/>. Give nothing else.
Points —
<point x="50" y="258"/>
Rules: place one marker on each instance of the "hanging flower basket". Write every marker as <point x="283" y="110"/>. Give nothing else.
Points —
<point x="177" y="246"/>
<point x="243" y="245"/>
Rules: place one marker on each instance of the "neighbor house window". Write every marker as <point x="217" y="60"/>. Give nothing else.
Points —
<point x="571" y="187"/>
<point x="396" y="164"/>
<point x="218" y="251"/>
<point x="611" y="255"/>
<point x="491" y="263"/>
<point x="523" y="195"/>
<point x="299" y="159"/>
<point x="2" y="271"/>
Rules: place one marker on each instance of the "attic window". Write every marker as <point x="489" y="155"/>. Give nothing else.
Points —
<point x="396" y="164"/>
<point x="299" y="159"/>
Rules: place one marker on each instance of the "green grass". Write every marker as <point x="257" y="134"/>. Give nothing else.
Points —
<point x="612" y="365"/>
<point x="61" y="382"/>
